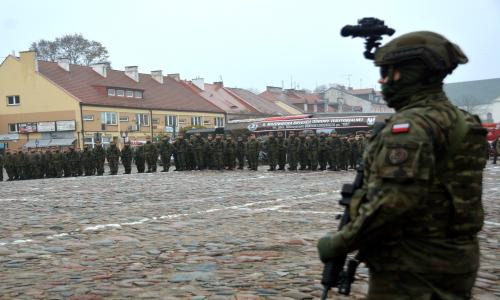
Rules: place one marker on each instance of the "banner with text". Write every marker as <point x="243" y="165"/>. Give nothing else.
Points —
<point x="314" y="123"/>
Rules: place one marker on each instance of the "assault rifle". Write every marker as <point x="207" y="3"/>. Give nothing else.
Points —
<point x="334" y="272"/>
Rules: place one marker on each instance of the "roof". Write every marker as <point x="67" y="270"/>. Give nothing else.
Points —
<point x="225" y="100"/>
<point x="91" y="88"/>
<point x="361" y="91"/>
<point x="477" y="92"/>
<point x="261" y="104"/>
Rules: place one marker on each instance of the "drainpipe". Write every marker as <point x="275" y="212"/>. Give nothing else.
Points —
<point x="151" y="123"/>
<point x="83" y="131"/>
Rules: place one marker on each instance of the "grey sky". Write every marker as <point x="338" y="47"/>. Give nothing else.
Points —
<point x="256" y="43"/>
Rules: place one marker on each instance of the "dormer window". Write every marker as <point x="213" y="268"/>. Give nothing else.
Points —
<point x="117" y="92"/>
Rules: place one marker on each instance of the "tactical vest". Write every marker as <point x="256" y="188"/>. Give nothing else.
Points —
<point x="459" y="172"/>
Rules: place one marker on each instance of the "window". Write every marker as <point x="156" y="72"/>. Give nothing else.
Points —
<point x="13" y="100"/>
<point x="108" y="118"/>
<point x="219" y="122"/>
<point x="123" y="118"/>
<point x="130" y="94"/>
<point x="196" y="121"/>
<point x="88" y="117"/>
<point x="171" y="121"/>
<point x="142" y="119"/>
<point x="13" y="127"/>
<point x="120" y="93"/>
<point x="111" y="92"/>
<point x="138" y="94"/>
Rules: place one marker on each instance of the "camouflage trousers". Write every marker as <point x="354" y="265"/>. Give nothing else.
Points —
<point x="406" y="285"/>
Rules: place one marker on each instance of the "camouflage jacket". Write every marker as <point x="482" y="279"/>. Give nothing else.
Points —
<point x="419" y="209"/>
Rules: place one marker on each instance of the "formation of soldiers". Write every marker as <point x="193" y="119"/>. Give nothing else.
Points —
<point x="300" y="152"/>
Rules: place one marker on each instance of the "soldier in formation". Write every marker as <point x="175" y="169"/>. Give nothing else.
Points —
<point x="223" y="153"/>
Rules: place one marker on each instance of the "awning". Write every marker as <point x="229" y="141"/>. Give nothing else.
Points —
<point x="61" y="142"/>
<point x="9" y="137"/>
<point x="37" y="144"/>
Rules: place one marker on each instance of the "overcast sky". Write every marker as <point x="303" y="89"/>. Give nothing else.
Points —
<point x="252" y="44"/>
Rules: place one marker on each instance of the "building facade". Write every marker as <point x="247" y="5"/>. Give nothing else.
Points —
<point x="58" y="104"/>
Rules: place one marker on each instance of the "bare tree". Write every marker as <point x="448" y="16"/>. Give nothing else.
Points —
<point x="470" y="104"/>
<point x="74" y="47"/>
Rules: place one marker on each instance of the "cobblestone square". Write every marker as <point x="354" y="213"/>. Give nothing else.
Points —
<point x="188" y="235"/>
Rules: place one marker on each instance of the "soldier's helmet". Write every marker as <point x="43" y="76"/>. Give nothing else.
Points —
<point x="438" y="53"/>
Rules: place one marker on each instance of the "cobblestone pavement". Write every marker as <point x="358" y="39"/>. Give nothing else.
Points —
<point x="211" y="235"/>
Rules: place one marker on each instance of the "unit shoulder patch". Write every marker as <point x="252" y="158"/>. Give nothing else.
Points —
<point x="397" y="156"/>
<point x="401" y="128"/>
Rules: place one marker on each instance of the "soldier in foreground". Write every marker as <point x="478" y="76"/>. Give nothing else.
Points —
<point x="416" y="217"/>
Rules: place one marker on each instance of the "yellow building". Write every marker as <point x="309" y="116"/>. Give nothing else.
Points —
<point x="57" y="103"/>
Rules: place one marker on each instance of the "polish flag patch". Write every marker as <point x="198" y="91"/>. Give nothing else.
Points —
<point x="401" y="128"/>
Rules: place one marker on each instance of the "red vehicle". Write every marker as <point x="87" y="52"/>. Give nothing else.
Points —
<point x="493" y="131"/>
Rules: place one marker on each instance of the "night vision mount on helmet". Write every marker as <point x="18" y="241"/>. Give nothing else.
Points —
<point x="372" y="29"/>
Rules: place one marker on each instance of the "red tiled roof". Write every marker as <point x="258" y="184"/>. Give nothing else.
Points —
<point x="219" y="96"/>
<point x="262" y="105"/>
<point x="91" y="88"/>
<point x="361" y="91"/>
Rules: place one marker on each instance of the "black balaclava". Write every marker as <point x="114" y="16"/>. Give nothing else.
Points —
<point x="415" y="78"/>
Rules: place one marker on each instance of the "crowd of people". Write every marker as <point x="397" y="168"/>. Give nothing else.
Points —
<point x="301" y="152"/>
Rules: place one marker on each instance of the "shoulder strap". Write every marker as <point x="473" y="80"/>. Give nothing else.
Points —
<point x="457" y="135"/>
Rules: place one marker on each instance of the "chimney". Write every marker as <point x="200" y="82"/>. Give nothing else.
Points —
<point x="101" y="69"/>
<point x="63" y="63"/>
<point x="175" y="76"/>
<point x="29" y="58"/>
<point x="199" y="82"/>
<point x="132" y="72"/>
<point x="219" y="84"/>
<point x="157" y="75"/>
<point x="274" y="89"/>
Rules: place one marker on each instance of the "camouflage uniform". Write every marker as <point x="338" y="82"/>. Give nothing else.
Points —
<point x="292" y="147"/>
<point x="149" y="152"/>
<point x="240" y="153"/>
<point x="354" y="147"/>
<point x="113" y="157"/>
<point x="252" y="150"/>
<point x="345" y="151"/>
<point x="218" y="153"/>
<point x="72" y="162"/>
<point x="87" y="161"/>
<point x="334" y="147"/>
<point x="36" y="165"/>
<point x="58" y="163"/>
<point x="322" y="151"/>
<point x="166" y="153"/>
<point x="312" y="151"/>
<point x="10" y="166"/>
<point x="182" y="148"/>
<point x="415" y="219"/>
<point x="126" y="157"/>
<point x="282" y="149"/>
<point x="208" y="152"/>
<point x="302" y="152"/>
<point x="272" y="152"/>
<point x="2" y="162"/>
<point x="99" y="159"/>
<point x="230" y="153"/>
<point x="198" y="147"/>
<point x="139" y="159"/>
